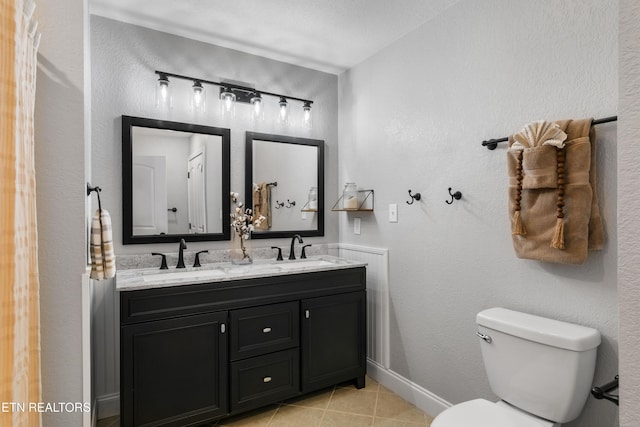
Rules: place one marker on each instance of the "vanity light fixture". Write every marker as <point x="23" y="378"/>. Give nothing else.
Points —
<point x="198" y="98"/>
<point x="163" y="92"/>
<point x="231" y="93"/>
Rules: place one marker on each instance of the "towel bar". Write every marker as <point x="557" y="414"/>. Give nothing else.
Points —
<point x="492" y="144"/>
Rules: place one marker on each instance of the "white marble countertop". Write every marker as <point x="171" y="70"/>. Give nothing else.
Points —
<point x="146" y="278"/>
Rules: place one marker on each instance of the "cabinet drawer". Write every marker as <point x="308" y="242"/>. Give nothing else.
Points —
<point x="259" y="330"/>
<point x="264" y="379"/>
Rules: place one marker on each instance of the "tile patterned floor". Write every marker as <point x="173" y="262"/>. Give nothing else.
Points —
<point x="340" y="406"/>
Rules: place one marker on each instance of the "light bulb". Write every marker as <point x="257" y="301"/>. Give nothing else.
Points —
<point x="198" y="103"/>
<point x="257" y="110"/>
<point x="307" y="118"/>
<point x="163" y="93"/>
<point x="284" y="111"/>
<point x="228" y="103"/>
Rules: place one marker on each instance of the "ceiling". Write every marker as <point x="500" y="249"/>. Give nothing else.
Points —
<point x="326" y="35"/>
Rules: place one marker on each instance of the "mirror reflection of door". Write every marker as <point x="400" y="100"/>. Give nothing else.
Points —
<point x="149" y="195"/>
<point x="196" y="193"/>
<point x="195" y="209"/>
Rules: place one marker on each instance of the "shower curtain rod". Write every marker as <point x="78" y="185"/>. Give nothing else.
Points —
<point x="492" y="144"/>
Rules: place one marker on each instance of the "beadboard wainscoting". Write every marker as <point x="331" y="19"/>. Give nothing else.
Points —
<point x="377" y="297"/>
<point x="106" y="348"/>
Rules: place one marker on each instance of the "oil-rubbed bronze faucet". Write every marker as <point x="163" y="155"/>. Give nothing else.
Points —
<point x="292" y="254"/>
<point x="183" y="246"/>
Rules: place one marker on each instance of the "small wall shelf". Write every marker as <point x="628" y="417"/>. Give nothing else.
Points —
<point x="306" y="209"/>
<point x="361" y="207"/>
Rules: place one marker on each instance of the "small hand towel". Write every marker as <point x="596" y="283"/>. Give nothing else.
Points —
<point x="103" y="260"/>
<point x="262" y="204"/>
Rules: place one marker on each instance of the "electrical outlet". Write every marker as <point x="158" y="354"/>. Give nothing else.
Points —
<point x="393" y="212"/>
<point x="356" y="226"/>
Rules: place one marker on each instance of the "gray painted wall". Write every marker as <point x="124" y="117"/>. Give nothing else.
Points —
<point x="124" y="58"/>
<point x="61" y="165"/>
<point x="413" y="117"/>
<point x="628" y="205"/>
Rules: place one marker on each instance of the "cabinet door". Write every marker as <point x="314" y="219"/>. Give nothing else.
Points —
<point x="175" y="371"/>
<point x="333" y="340"/>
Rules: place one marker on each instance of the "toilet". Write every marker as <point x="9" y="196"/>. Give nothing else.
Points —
<point x="541" y="369"/>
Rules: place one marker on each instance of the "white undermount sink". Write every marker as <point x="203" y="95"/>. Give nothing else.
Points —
<point x="296" y="265"/>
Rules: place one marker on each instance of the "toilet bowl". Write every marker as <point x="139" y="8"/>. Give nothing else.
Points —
<point x="483" y="413"/>
<point x="540" y="368"/>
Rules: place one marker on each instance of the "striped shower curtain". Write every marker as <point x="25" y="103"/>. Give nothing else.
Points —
<point x="19" y="286"/>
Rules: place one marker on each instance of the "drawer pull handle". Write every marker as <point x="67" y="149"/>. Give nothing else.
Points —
<point x="266" y="330"/>
<point x="266" y="379"/>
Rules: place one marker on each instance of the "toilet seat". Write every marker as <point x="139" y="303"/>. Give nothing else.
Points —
<point x="483" y="413"/>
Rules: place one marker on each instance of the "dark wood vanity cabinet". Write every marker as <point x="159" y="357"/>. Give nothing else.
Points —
<point x="195" y="353"/>
<point x="175" y="370"/>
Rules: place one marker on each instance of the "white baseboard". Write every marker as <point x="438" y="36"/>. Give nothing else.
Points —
<point x="408" y="390"/>
<point x="108" y="405"/>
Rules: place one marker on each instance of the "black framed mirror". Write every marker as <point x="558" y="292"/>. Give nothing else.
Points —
<point x="285" y="177"/>
<point x="175" y="181"/>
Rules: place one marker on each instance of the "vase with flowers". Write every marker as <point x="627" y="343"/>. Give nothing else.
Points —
<point x="242" y="223"/>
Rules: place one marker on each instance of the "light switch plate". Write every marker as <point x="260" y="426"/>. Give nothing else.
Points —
<point x="393" y="212"/>
<point x="356" y="226"/>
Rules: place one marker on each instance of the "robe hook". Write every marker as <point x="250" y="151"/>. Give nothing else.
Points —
<point x="290" y="203"/>
<point x="457" y="195"/>
<point x="414" y="197"/>
<point x="279" y="204"/>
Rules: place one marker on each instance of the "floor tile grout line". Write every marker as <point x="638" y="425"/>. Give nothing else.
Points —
<point x="274" y="414"/>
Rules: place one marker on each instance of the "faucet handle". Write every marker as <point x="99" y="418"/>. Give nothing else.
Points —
<point x="196" y="262"/>
<point x="163" y="264"/>
<point x="304" y="253"/>
<point x="279" y="252"/>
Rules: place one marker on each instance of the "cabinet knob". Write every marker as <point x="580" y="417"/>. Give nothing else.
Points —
<point x="306" y="314"/>
<point x="266" y="330"/>
<point x="223" y="328"/>
<point x="266" y="380"/>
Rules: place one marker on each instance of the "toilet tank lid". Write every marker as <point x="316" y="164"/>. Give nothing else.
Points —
<point x="551" y="332"/>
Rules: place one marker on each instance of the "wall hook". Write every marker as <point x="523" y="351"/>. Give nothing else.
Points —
<point x="279" y="204"/>
<point x="414" y="197"/>
<point x="457" y="195"/>
<point x="290" y="203"/>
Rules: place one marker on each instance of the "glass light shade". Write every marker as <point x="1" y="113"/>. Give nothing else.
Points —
<point x="257" y="107"/>
<point x="163" y="93"/>
<point x="283" y="112"/>
<point x="307" y="117"/>
<point x="228" y="102"/>
<point x="198" y="98"/>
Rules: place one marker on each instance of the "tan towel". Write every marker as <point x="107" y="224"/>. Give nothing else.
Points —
<point x="103" y="260"/>
<point x="262" y="204"/>
<point x="552" y="197"/>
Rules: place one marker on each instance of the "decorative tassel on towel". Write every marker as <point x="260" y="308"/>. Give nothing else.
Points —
<point x="517" y="227"/>
<point x="557" y="241"/>
<point x="558" y="235"/>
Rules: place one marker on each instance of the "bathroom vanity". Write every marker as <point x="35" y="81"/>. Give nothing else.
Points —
<point x="199" y="345"/>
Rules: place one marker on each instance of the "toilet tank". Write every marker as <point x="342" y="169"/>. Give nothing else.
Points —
<point x="539" y="365"/>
